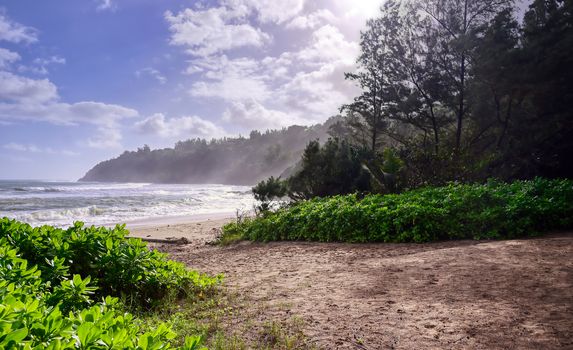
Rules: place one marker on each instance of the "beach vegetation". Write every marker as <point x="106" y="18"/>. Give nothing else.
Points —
<point x="75" y="288"/>
<point x="494" y="210"/>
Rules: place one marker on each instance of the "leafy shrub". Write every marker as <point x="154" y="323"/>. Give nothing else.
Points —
<point x="35" y="314"/>
<point x="118" y="266"/>
<point x="494" y="210"/>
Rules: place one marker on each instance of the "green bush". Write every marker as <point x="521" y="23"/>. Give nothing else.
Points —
<point x="118" y="266"/>
<point x="51" y="280"/>
<point x="494" y="210"/>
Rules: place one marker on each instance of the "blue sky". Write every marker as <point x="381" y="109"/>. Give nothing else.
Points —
<point x="81" y="81"/>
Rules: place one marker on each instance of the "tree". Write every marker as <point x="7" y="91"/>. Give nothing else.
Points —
<point x="547" y="53"/>
<point x="456" y="24"/>
<point x="268" y="191"/>
<point x="335" y="168"/>
<point x="374" y="77"/>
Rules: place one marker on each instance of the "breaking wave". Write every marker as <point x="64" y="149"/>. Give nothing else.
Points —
<point x="60" y="204"/>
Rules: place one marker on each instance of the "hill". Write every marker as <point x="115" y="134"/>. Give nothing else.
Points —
<point x="233" y="161"/>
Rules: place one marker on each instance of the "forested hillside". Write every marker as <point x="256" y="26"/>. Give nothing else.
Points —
<point x="237" y="161"/>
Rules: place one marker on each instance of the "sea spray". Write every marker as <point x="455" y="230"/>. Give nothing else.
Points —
<point x="61" y="203"/>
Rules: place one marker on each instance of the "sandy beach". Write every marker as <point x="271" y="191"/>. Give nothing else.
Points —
<point x="515" y="294"/>
<point x="197" y="229"/>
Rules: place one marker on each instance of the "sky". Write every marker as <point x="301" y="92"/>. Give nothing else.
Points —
<point x="82" y="81"/>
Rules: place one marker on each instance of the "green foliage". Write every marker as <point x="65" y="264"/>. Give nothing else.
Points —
<point x="268" y="190"/>
<point x="331" y="169"/>
<point x="118" y="266"/>
<point x="51" y="279"/>
<point x="392" y="163"/>
<point x="494" y="210"/>
<point x="455" y="85"/>
<point x="385" y="171"/>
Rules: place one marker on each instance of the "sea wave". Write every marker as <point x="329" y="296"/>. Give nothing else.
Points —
<point x="61" y="204"/>
<point x="43" y="215"/>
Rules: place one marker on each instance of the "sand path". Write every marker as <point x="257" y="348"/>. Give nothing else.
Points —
<point x="514" y="294"/>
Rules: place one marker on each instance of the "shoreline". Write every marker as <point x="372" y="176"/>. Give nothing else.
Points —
<point x="177" y="220"/>
<point x="199" y="229"/>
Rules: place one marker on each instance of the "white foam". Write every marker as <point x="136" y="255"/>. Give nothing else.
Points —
<point x="61" y="204"/>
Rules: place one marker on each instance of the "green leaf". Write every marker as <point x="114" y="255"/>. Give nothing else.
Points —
<point x="16" y="336"/>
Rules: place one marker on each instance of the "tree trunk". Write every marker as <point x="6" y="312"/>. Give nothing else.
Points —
<point x="374" y="137"/>
<point x="461" y="108"/>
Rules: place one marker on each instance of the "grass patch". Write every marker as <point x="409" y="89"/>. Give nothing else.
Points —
<point x="232" y="236"/>
<point x="494" y="210"/>
<point x="229" y="321"/>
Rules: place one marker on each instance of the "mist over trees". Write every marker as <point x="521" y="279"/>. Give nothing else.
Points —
<point x="450" y="90"/>
<point x="236" y="161"/>
<point x="459" y="91"/>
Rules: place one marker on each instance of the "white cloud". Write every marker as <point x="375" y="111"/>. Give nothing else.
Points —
<point x="15" y="147"/>
<point x="251" y="114"/>
<point x="106" y="137"/>
<point x="38" y="99"/>
<point x="328" y="45"/>
<point x="151" y="72"/>
<point x="31" y="148"/>
<point x="50" y="60"/>
<point x="14" y="32"/>
<point x="206" y="32"/>
<point x="105" y="5"/>
<point x="7" y="57"/>
<point x="304" y="86"/>
<point x="95" y="113"/>
<point x="358" y="10"/>
<point x="317" y="94"/>
<point x="23" y="98"/>
<point x="230" y="79"/>
<point x="232" y="88"/>
<point x="189" y="126"/>
<point x="18" y="89"/>
<point x="269" y="10"/>
<point x="312" y="20"/>
<point x="40" y="65"/>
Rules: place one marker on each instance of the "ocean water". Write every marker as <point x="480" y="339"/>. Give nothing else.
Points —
<point x="62" y="203"/>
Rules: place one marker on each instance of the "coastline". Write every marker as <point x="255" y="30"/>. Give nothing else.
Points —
<point x="177" y="220"/>
<point x="199" y="228"/>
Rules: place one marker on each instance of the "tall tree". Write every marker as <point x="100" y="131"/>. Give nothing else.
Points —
<point x="548" y="55"/>
<point x="374" y="76"/>
<point x="455" y="25"/>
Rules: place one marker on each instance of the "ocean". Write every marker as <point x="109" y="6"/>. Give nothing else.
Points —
<point x="61" y="203"/>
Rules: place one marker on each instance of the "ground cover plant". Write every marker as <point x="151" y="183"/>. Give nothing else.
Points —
<point x="494" y="210"/>
<point x="71" y="288"/>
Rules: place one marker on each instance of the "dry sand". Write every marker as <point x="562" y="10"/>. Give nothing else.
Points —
<point x="515" y="294"/>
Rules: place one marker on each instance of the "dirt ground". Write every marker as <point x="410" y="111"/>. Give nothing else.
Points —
<point x="515" y="294"/>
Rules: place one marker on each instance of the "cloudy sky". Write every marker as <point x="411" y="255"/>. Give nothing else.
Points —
<point x="81" y="81"/>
